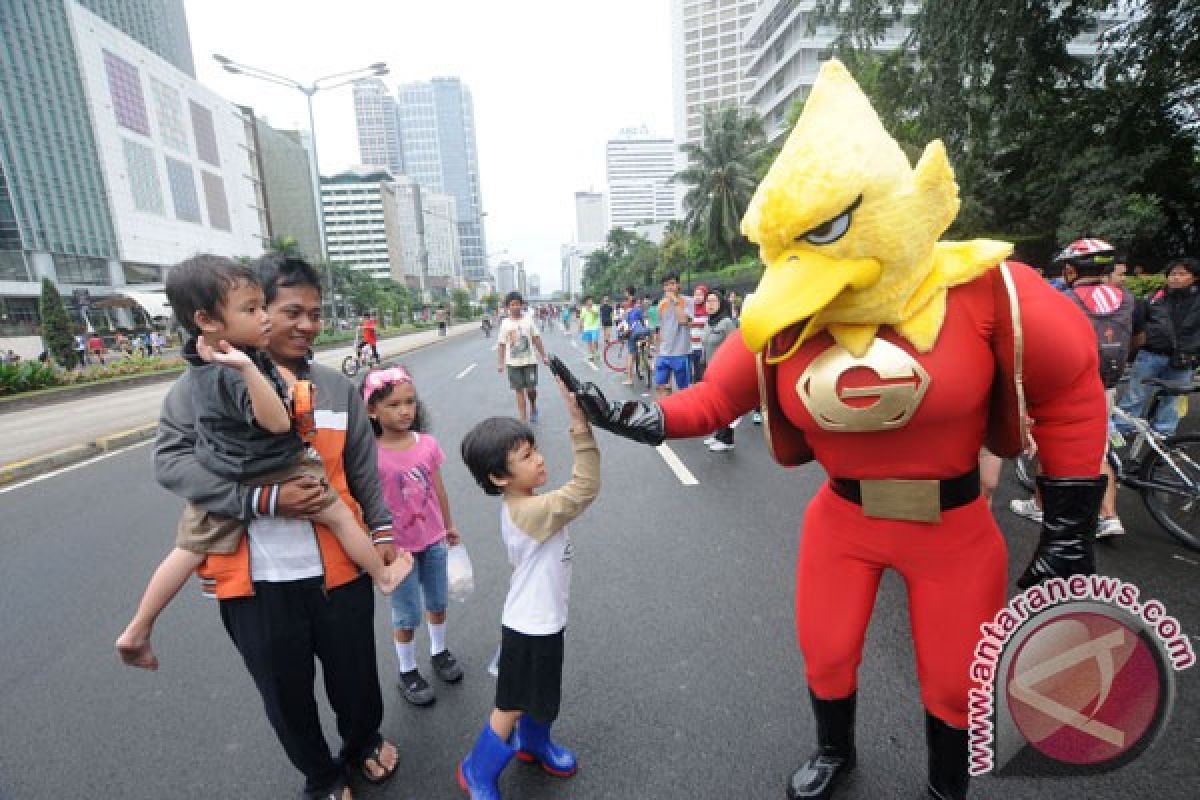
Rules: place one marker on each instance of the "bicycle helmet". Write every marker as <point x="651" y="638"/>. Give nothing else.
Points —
<point x="1089" y="256"/>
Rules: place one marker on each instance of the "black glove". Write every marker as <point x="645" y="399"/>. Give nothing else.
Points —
<point x="633" y="419"/>
<point x="1069" y="510"/>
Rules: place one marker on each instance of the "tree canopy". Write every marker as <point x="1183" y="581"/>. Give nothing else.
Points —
<point x="1048" y="144"/>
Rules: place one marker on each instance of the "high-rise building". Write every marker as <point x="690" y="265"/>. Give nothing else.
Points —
<point x="535" y="284"/>
<point x="378" y="126"/>
<point x="522" y="280"/>
<point x="422" y="233"/>
<point x="289" y="202"/>
<point x="709" y="59"/>
<point x="158" y="25"/>
<point x="506" y="278"/>
<point x="591" y="217"/>
<point x="639" y="168"/>
<point x="114" y="163"/>
<point x="437" y="138"/>
<point x="356" y="231"/>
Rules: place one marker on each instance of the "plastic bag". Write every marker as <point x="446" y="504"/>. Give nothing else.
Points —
<point x="459" y="573"/>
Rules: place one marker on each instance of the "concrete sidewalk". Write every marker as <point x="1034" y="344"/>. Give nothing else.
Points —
<point x="40" y="439"/>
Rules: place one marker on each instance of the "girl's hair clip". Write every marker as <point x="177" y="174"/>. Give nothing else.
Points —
<point x="384" y="377"/>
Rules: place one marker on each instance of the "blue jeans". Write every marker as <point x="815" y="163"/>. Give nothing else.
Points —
<point x="1153" y="365"/>
<point x="428" y="578"/>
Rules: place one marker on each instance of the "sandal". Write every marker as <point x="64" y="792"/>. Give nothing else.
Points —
<point x="335" y="792"/>
<point x="376" y="756"/>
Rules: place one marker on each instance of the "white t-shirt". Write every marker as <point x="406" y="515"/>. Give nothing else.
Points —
<point x="283" y="550"/>
<point x="517" y="336"/>
<point x="541" y="581"/>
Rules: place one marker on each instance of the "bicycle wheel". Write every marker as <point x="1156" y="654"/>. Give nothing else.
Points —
<point x="1027" y="469"/>
<point x="614" y="355"/>
<point x="647" y="366"/>
<point x="349" y="366"/>
<point x="1176" y="506"/>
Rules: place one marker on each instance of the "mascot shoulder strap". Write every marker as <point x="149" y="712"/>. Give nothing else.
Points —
<point x="1007" y="431"/>
<point x="785" y="442"/>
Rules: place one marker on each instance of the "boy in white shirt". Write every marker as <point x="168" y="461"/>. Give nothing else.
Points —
<point x="504" y="460"/>
<point x="515" y="346"/>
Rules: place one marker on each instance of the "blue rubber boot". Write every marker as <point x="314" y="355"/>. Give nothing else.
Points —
<point x="479" y="771"/>
<point x="532" y="742"/>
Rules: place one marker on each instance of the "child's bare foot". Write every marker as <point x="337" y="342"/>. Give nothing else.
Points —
<point x="135" y="650"/>
<point x="393" y="575"/>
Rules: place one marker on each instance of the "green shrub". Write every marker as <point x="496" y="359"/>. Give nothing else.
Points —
<point x="26" y="376"/>
<point x="1145" y="285"/>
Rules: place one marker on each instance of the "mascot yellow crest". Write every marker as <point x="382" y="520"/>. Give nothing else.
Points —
<point x="848" y="230"/>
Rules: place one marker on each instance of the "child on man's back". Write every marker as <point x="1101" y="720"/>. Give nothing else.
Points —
<point x="243" y="433"/>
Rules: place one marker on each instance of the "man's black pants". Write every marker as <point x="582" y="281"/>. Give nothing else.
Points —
<point x="278" y="631"/>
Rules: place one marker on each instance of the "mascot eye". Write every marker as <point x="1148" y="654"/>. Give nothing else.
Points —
<point x="829" y="232"/>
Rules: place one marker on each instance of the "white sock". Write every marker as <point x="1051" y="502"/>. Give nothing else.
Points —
<point x="437" y="638"/>
<point x="406" y="654"/>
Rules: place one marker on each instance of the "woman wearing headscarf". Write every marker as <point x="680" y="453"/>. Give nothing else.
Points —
<point x="718" y="326"/>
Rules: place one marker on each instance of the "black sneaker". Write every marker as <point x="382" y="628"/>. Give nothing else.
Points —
<point x="415" y="689"/>
<point x="445" y="666"/>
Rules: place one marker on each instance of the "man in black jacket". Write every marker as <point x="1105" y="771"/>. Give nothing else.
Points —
<point x="1170" y="323"/>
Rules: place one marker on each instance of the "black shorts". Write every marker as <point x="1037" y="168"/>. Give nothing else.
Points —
<point x="530" y="677"/>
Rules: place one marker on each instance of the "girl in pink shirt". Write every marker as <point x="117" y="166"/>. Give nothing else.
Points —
<point x="410" y="476"/>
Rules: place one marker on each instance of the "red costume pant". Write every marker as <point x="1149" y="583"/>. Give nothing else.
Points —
<point x="955" y="572"/>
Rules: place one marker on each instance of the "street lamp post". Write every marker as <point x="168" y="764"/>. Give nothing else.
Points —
<point x="320" y="84"/>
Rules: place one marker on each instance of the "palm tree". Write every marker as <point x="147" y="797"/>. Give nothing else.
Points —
<point x="721" y="177"/>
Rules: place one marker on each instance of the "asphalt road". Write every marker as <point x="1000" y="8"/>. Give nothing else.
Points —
<point x="682" y="676"/>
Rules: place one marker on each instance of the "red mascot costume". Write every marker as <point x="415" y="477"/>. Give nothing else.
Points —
<point x="890" y="357"/>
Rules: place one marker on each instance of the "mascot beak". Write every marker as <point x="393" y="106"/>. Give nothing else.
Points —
<point x="794" y="289"/>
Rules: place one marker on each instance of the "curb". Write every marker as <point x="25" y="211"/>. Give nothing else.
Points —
<point x="38" y="465"/>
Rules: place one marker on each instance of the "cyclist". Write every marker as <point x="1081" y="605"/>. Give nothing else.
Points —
<point x="1087" y="266"/>
<point x="635" y="323"/>
<point x="370" y="336"/>
<point x="1170" y="323"/>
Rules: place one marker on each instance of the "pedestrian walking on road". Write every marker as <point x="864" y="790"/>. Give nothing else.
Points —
<point x="718" y="324"/>
<point x="80" y="347"/>
<point x="410" y="476"/>
<point x="300" y="598"/>
<point x="514" y="352"/>
<point x="502" y="455"/>
<point x="589" y="327"/>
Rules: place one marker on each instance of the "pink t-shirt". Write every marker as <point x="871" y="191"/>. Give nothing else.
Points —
<point x="406" y="478"/>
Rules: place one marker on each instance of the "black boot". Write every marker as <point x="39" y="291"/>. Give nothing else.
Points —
<point x="948" y="776"/>
<point x="817" y="777"/>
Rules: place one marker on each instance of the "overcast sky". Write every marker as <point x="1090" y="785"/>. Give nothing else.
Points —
<point x="552" y="81"/>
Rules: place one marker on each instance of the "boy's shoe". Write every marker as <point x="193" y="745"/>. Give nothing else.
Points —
<point x="1027" y="509"/>
<point x="1109" y="526"/>
<point x="720" y="447"/>
<point x="446" y="667"/>
<point x="756" y="418"/>
<point x="709" y="441"/>
<point x="415" y="689"/>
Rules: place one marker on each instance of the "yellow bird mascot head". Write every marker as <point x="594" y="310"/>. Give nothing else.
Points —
<point x="848" y="231"/>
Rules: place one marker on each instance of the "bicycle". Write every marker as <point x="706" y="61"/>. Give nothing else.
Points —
<point x="1164" y="470"/>
<point x="616" y="354"/>
<point x="352" y="363"/>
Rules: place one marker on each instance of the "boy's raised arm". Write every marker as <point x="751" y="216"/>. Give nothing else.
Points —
<point x="543" y="515"/>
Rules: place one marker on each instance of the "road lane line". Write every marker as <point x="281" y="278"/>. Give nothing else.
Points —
<point x="681" y="471"/>
<point x="464" y="373"/>
<point x="46" y="475"/>
<point x="1186" y="560"/>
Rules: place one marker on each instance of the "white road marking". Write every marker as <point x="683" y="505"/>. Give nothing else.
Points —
<point x="1186" y="560"/>
<point x="465" y="372"/>
<point x="81" y="464"/>
<point x="681" y="471"/>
